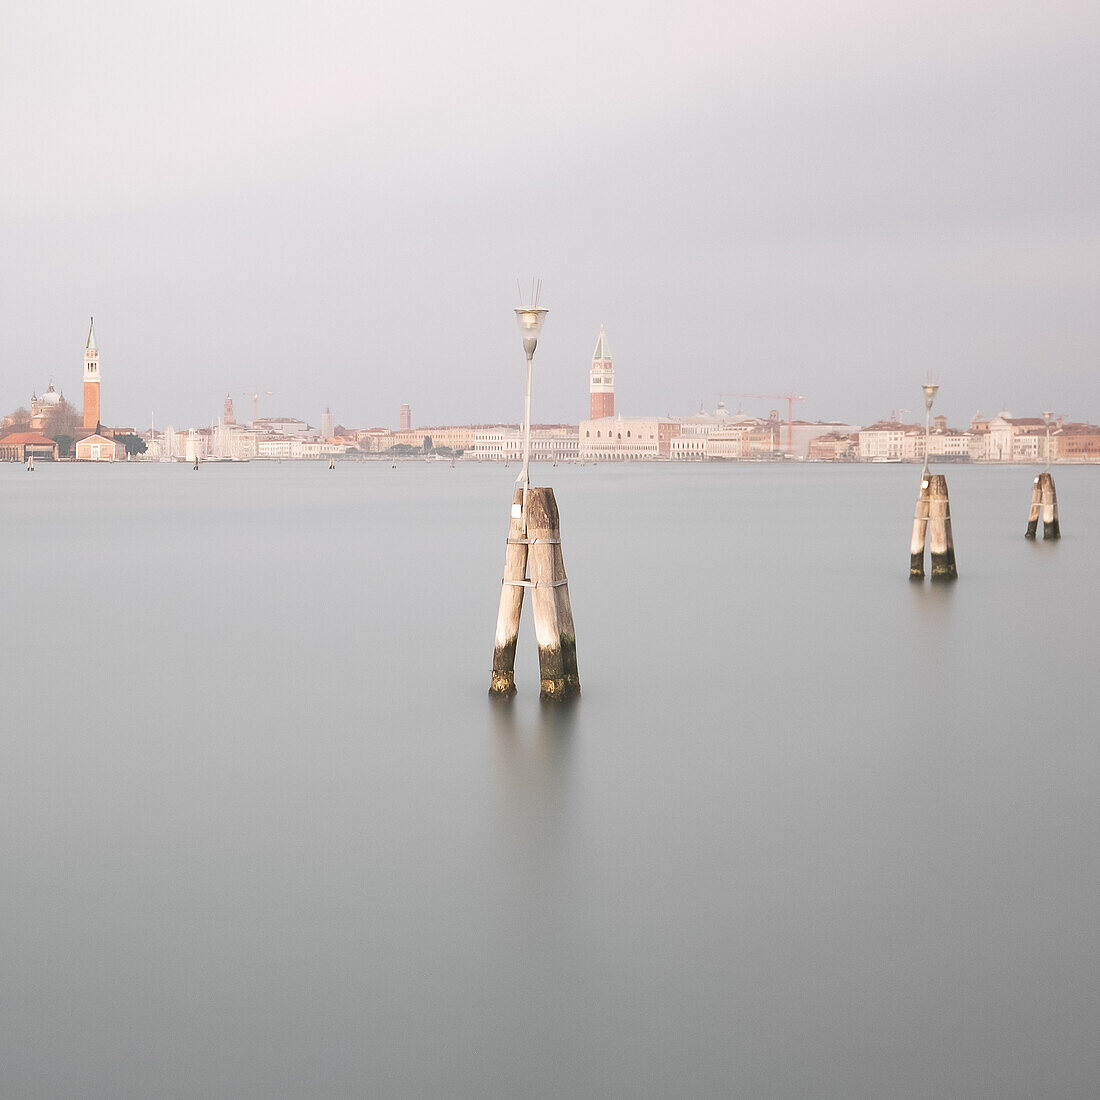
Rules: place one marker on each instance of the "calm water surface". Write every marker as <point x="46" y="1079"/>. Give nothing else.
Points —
<point x="812" y="830"/>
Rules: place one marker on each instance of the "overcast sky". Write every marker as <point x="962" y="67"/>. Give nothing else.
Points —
<point x="333" y="201"/>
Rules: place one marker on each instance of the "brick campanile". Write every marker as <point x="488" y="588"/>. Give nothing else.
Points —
<point x="91" y="381"/>
<point x="601" y="386"/>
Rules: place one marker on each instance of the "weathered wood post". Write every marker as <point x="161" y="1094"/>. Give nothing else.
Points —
<point x="533" y="559"/>
<point x="932" y="521"/>
<point x="1044" y="497"/>
<point x="1051" y="527"/>
<point x="1036" y="508"/>
<point x="503" y="683"/>
<point x="554" y="632"/>
<point x="920" y="528"/>
<point x="942" y="544"/>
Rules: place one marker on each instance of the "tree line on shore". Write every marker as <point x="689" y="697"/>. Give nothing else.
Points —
<point x="64" y="424"/>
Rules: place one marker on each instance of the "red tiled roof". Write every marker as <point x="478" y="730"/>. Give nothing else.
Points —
<point x="34" y="439"/>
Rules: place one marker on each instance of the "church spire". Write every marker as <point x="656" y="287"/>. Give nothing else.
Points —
<point x="601" y="384"/>
<point x="91" y="345"/>
<point x="602" y="350"/>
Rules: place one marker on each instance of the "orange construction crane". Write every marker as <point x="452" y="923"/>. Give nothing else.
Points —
<point x="790" y="398"/>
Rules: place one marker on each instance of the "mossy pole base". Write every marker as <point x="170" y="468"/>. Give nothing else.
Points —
<point x="942" y="544"/>
<point x="1036" y="508"/>
<point x="920" y="528"/>
<point x="1051" y="528"/>
<point x="534" y="560"/>
<point x="503" y="683"/>
<point x="553" y="613"/>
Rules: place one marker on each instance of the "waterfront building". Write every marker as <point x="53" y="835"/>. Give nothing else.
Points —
<point x="800" y="433"/>
<point x="690" y="444"/>
<point x="19" y="446"/>
<point x="504" y="443"/>
<point x="91" y="381"/>
<point x="373" y="440"/>
<point x="601" y="381"/>
<point x="727" y="445"/>
<point x="834" y="447"/>
<point x="619" y="439"/>
<point x="945" y="443"/>
<point x="1076" y="443"/>
<point x="293" y="447"/>
<point x="1007" y="438"/>
<point x="459" y="437"/>
<point x="285" y="425"/>
<point x="884" y="441"/>
<point x="98" y="448"/>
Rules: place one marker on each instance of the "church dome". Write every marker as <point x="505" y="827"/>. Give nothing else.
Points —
<point x="51" y="396"/>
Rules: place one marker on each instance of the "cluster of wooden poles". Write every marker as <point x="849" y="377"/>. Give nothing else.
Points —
<point x="533" y="562"/>
<point x="932" y="523"/>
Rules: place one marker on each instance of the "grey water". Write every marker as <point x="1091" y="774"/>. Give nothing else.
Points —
<point x="812" y="830"/>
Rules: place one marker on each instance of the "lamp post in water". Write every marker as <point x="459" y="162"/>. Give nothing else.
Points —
<point x="530" y="324"/>
<point x="533" y="560"/>
<point x="929" y="397"/>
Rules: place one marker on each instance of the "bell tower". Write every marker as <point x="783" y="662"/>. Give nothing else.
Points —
<point x="91" y="381"/>
<point x="601" y="386"/>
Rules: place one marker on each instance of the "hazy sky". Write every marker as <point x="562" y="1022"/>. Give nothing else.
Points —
<point x="333" y="201"/>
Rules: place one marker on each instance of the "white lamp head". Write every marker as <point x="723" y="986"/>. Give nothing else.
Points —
<point x="530" y="324"/>
<point x="929" y="394"/>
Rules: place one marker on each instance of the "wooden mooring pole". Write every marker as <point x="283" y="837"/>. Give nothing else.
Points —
<point x="503" y="683"/>
<point x="1044" y="503"/>
<point x="920" y="529"/>
<point x="1036" y="507"/>
<point x="939" y="530"/>
<point x="1051" y="527"/>
<point x="932" y="522"/>
<point x="533" y="559"/>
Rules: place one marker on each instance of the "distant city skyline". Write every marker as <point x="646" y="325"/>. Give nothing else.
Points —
<point x="756" y="405"/>
<point x="334" y="204"/>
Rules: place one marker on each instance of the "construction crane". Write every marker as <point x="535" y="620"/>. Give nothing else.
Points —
<point x="256" y="394"/>
<point x="790" y="398"/>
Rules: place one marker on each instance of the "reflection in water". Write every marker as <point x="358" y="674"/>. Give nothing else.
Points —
<point x="932" y="606"/>
<point x="533" y="755"/>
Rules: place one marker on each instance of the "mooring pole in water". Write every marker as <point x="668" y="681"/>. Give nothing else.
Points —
<point x="1051" y="527"/>
<point x="554" y="632"/>
<point x="932" y="521"/>
<point x="1036" y="508"/>
<point x="941" y="542"/>
<point x="534" y="560"/>
<point x="920" y="529"/>
<point x="503" y="683"/>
